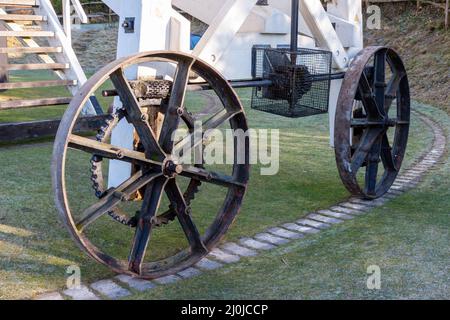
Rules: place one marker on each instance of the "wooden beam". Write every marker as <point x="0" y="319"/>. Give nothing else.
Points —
<point x="35" y="66"/>
<point x="22" y="17"/>
<point x="17" y="104"/>
<point x="36" y="84"/>
<point x="29" y="50"/>
<point x="223" y="29"/>
<point x="18" y="3"/>
<point x="12" y="132"/>
<point x="27" y="34"/>
<point x="318" y="21"/>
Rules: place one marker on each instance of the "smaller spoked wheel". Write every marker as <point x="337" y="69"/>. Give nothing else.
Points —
<point x="372" y="122"/>
<point x="151" y="213"/>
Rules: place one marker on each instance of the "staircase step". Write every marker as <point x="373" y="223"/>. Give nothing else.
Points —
<point x="18" y="3"/>
<point x="22" y="17"/>
<point x="35" y="66"/>
<point x="17" y="104"/>
<point x="27" y="34"/>
<point x="37" y="84"/>
<point x="31" y="50"/>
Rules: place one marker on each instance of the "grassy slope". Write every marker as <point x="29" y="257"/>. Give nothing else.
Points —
<point x="424" y="44"/>
<point x="35" y="249"/>
<point x="408" y="239"/>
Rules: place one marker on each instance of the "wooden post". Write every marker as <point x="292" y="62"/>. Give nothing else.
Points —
<point x="67" y="23"/>
<point x="3" y="57"/>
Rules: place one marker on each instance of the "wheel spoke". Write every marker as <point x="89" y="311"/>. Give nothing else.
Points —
<point x="191" y="141"/>
<point x="114" y="197"/>
<point x="380" y="80"/>
<point x="109" y="151"/>
<point x="391" y="91"/>
<point x="361" y="153"/>
<point x="364" y="123"/>
<point x="184" y="216"/>
<point x="136" y="116"/>
<point x="368" y="100"/>
<point x="386" y="154"/>
<point x="150" y="205"/>
<point x="188" y="120"/>
<point x="372" y="168"/>
<point x="211" y="177"/>
<point x="176" y="103"/>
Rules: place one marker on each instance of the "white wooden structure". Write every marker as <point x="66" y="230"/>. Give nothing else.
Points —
<point x="59" y="56"/>
<point x="235" y="26"/>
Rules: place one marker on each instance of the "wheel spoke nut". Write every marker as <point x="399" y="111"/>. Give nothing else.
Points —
<point x="144" y="117"/>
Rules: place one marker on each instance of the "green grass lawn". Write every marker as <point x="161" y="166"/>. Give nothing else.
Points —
<point x="408" y="239"/>
<point x="35" y="249"/>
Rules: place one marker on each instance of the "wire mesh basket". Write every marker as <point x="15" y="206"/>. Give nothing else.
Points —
<point x="300" y="81"/>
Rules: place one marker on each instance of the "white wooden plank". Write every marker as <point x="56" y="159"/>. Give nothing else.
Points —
<point x="223" y="29"/>
<point x="318" y="21"/>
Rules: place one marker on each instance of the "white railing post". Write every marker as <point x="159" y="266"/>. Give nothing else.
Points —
<point x="75" y="72"/>
<point x="67" y="19"/>
<point x="80" y="11"/>
<point x="67" y="15"/>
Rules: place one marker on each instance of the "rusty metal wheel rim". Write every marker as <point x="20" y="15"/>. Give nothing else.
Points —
<point x="376" y="98"/>
<point x="235" y="184"/>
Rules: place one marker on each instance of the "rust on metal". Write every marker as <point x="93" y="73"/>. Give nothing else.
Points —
<point x="155" y="172"/>
<point x="364" y="117"/>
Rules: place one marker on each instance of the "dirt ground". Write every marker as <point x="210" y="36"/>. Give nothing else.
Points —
<point x="95" y="48"/>
<point x="424" y="44"/>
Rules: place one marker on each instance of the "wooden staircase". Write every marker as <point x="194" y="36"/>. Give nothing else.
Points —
<point x="39" y="25"/>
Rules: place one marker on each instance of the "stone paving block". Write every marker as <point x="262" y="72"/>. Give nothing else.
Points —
<point x="189" y="273"/>
<point x="267" y="237"/>
<point x="347" y="210"/>
<point x="299" y="228"/>
<point x="417" y="171"/>
<point x="335" y="214"/>
<point x="207" y="264"/>
<point x="280" y="232"/>
<point x="396" y="192"/>
<point x="355" y="206"/>
<point x="239" y="250"/>
<point x="82" y="293"/>
<point x="413" y="175"/>
<point x="325" y="219"/>
<point x="423" y="167"/>
<point x="313" y="223"/>
<point x="363" y="202"/>
<point x="167" y="279"/>
<point x="50" y="296"/>
<point x="254" y="244"/>
<point x="137" y="284"/>
<point x="223" y="256"/>
<point x="372" y="203"/>
<point x="110" y="289"/>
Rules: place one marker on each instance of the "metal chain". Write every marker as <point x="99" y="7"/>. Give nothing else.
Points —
<point x="98" y="181"/>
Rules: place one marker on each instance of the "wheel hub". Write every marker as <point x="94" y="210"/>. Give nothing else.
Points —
<point x="171" y="169"/>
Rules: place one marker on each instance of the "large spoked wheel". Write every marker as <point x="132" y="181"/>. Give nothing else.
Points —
<point x="156" y="171"/>
<point x="370" y="133"/>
